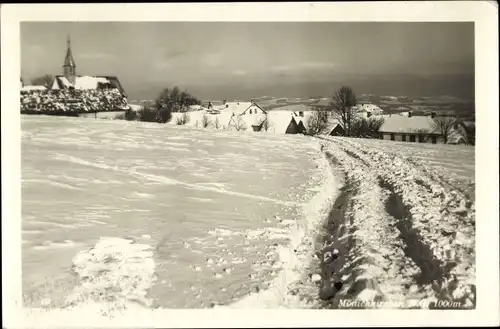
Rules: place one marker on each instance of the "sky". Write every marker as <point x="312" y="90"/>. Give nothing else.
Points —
<point x="244" y="60"/>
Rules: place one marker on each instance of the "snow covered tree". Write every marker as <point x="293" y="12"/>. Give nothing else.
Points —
<point x="317" y="122"/>
<point x="444" y="125"/>
<point x="175" y="100"/>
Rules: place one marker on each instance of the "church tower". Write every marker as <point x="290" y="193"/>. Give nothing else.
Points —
<point x="69" y="65"/>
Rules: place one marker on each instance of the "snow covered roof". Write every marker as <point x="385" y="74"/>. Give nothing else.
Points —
<point x="404" y="124"/>
<point x="368" y="107"/>
<point x="29" y="88"/>
<point x="280" y="120"/>
<point x="87" y="82"/>
<point x="236" y="107"/>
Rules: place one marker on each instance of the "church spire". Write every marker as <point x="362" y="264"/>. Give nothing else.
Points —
<point x="69" y="64"/>
<point x="69" y="61"/>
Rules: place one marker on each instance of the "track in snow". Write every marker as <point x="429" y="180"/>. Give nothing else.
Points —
<point x="399" y="234"/>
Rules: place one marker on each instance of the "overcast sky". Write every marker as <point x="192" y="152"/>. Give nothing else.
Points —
<point x="239" y="60"/>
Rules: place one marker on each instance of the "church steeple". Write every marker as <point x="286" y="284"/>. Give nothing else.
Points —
<point x="69" y="64"/>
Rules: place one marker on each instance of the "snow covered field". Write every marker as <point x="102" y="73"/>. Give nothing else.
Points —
<point x="176" y="217"/>
<point x="149" y="215"/>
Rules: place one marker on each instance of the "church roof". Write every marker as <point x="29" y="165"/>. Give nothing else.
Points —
<point x="69" y="60"/>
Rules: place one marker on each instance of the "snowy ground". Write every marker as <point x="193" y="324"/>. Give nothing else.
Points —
<point x="159" y="215"/>
<point x="403" y="234"/>
<point x="120" y="214"/>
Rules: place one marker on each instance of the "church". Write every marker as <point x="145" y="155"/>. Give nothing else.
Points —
<point x="70" y="80"/>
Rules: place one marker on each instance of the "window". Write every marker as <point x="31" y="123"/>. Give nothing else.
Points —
<point x="434" y="139"/>
<point x="250" y="111"/>
<point x="392" y="137"/>
<point x="412" y="138"/>
<point x="301" y="114"/>
<point x="421" y="138"/>
<point x="403" y="138"/>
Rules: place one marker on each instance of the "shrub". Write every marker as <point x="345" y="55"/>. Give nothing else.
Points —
<point x="148" y="114"/>
<point x="183" y="119"/>
<point x="266" y="124"/>
<point x="205" y="121"/>
<point x="131" y="115"/>
<point x="164" y="114"/>
<point x="238" y="123"/>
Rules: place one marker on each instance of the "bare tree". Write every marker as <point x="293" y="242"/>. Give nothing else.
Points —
<point x="342" y="105"/>
<point x="443" y="126"/>
<point x="238" y="123"/>
<point x="204" y="120"/>
<point x="44" y="80"/>
<point x="317" y="122"/>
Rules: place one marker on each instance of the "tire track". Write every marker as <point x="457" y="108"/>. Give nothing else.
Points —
<point x="437" y="229"/>
<point x="361" y="257"/>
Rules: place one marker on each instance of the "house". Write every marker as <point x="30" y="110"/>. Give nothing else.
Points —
<point x="286" y="122"/>
<point x="336" y="130"/>
<point x="366" y="110"/>
<point x="243" y="108"/>
<point x="410" y="129"/>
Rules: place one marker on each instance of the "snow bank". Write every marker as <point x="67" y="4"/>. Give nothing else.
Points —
<point x="296" y="256"/>
<point x="113" y="275"/>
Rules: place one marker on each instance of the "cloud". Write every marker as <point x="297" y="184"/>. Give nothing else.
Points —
<point x="281" y="68"/>
<point x="317" y="65"/>
<point x="239" y="72"/>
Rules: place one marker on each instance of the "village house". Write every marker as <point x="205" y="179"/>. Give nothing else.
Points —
<point x="244" y="115"/>
<point x="366" y="110"/>
<point x="335" y="128"/>
<point x="421" y="129"/>
<point x="287" y="122"/>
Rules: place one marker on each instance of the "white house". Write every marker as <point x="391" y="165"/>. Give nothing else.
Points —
<point x="366" y="110"/>
<point x="242" y="108"/>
